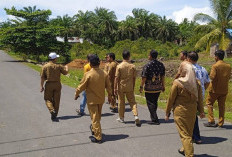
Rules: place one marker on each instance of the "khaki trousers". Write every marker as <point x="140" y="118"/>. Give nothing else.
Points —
<point x="95" y="111"/>
<point x="185" y="129"/>
<point x="121" y="103"/>
<point x="210" y="100"/>
<point x="52" y="95"/>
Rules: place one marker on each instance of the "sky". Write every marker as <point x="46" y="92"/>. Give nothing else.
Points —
<point x="172" y="9"/>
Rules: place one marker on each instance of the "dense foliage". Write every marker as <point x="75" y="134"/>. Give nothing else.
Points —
<point x="33" y="34"/>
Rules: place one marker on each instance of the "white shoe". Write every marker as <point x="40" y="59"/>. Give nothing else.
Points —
<point x="120" y="120"/>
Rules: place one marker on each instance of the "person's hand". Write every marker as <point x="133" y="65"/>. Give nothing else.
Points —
<point x="41" y="89"/>
<point x="140" y="90"/>
<point x="66" y="67"/>
<point x="163" y="89"/>
<point x="166" y="118"/>
<point x="202" y="115"/>
<point x="76" y="96"/>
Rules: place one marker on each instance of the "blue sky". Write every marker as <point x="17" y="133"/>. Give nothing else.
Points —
<point x="174" y="9"/>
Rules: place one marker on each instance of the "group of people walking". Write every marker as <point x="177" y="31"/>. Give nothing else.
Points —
<point x="185" y="99"/>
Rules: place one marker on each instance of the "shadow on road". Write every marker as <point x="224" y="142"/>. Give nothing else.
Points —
<point x="212" y="140"/>
<point x="169" y="121"/>
<point x="162" y="121"/>
<point x="107" y="114"/>
<point x="107" y="138"/>
<point x="68" y="117"/>
<point x="204" y="155"/>
<point x="229" y="127"/>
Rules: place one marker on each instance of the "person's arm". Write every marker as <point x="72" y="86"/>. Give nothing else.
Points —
<point x="116" y="81"/>
<point x="213" y="73"/>
<point x="143" y="80"/>
<point x="108" y="88"/>
<point x="200" y="106"/>
<point x="43" y="78"/>
<point x="134" y="78"/>
<point x="64" y="70"/>
<point x="171" y="100"/>
<point x="42" y="84"/>
<point x="81" y="87"/>
<point x="206" y="79"/>
<point x="163" y="82"/>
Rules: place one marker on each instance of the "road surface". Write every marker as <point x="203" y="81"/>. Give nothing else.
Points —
<point x="26" y="129"/>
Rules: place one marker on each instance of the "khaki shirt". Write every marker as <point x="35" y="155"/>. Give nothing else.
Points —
<point x="180" y="98"/>
<point x="220" y="75"/>
<point x="126" y="74"/>
<point x="94" y="83"/>
<point x="52" y="71"/>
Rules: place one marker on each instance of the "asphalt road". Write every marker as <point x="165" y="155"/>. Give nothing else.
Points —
<point x="27" y="131"/>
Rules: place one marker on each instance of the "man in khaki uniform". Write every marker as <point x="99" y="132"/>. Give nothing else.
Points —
<point x="218" y="88"/>
<point x="51" y="74"/>
<point x="110" y="70"/>
<point x="124" y="86"/>
<point x="94" y="83"/>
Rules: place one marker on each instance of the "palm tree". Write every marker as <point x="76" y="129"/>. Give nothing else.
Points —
<point x="145" y="22"/>
<point x="186" y="30"/>
<point x="84" y="24"/>
<point x="67" y="23"/>
<point x="128" y="29"/>
<point x="216" y="27"/>
<point x="106" y="26"/>
<point x="166" y="29"/>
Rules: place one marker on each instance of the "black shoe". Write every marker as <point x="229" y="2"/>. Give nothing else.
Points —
<point x="208" y="124"/>
<point x="181" y="152"/>
<point x="156" y="122"/>
<point x="91" y="130"/>
<point x="137" y="123"/>
<point x="114" y="110"/>
<point x="94" y="140"/>
<point x="53" y="115"/>
<point x="79" y="113"/>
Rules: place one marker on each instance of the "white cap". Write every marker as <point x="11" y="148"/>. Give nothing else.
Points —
<point x="53" y="55"/>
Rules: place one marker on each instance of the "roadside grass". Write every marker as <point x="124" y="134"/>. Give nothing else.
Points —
<point x="74" y="77"/>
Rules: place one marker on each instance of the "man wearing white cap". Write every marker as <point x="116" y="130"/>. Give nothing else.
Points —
<point x="51" y="74"/>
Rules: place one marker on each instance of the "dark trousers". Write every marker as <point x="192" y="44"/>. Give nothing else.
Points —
<point x="152" y="104"/>
<point x="196" y="131"/>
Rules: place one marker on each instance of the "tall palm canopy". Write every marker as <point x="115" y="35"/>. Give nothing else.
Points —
<point x="216" y="26"/>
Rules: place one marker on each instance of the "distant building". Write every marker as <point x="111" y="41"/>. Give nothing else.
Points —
<point x="71" y="39"/>
<point x="215" y="46"/>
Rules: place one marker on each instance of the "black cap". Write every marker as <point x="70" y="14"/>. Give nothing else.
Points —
<point x="94" y="60"/>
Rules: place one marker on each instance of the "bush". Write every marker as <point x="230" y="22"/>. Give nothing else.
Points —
<point x="139" y="49"/>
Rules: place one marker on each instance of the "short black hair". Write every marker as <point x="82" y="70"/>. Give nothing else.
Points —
<point x="193" y="56"/>
<point x="154" y="54"/>
<point x="111" y="55"/>
<point x="185" y="53"/>
<point x="94" y="60"/>
<point x="220" y="54"/>
<point x="88" y="56"/>
<point x="125" y="54"/>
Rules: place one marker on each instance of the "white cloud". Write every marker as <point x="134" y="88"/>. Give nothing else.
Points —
<point x="189" y="12"/>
